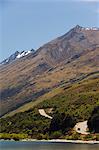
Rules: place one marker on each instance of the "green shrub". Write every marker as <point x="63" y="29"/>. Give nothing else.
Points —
<point x="56" y="134"/>
<point x="62" y="122"/>
<point x="97" y="137"/>
<point x="89" y="137"/>
<point x="41" y="136"/>
<point x="8" y="136"/>
<point x="93" y="121"/>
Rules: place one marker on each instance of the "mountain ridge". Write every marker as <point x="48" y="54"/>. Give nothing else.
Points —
<point x="16" y="56"/>
<point x="58" y="62"/>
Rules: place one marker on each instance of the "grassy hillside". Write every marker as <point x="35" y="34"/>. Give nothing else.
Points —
<point x="78" y="100"/>
<point x="60" y="88"/>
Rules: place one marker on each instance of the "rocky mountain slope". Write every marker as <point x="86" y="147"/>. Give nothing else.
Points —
<point x="16" y="56"/>
<point x="61" y="62"/>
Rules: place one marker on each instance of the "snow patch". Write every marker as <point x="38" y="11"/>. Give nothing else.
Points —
<point x="22" y="54"/>
<point x="28" y="52"/>
<point x="93" y="28"/>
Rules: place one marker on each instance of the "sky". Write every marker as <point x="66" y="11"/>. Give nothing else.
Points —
<point x="27" y="24"/>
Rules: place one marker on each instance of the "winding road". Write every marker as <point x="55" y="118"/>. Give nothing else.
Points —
<point x="80" y="127"/>
<point x="43" y="113"/>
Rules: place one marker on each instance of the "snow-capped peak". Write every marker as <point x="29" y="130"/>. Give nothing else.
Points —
<point x="20" y="55"/>
<point x="16" y="55"/>
<point x="93" y="28"/>
<point x="24" y="53"/>
<point x="86" y="28"/>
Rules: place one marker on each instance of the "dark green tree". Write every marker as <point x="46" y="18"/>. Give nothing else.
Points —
<point x="62" y="122"/>
<point x="93" y="121"/>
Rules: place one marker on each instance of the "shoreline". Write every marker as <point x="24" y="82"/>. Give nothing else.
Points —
<point x="64" y="141"/>
<point x="56" y="141"/>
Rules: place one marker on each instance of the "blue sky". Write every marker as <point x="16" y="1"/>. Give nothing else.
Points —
<point x="27" y="24"/>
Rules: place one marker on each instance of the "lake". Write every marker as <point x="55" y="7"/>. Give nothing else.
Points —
<point x="12" y="145"/>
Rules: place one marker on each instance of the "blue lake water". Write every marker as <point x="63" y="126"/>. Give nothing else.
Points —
<point x="12" y="145"/>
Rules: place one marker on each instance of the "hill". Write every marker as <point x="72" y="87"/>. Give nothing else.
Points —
<point x="61" y="62"/>
<point x="78" y="100"/>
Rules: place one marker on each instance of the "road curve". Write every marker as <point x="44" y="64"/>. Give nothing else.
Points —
<point x="81" y="127"/>
<point x="43" y="113"/>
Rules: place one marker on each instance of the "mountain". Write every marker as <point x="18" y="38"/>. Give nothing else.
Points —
<point x="65" y="60"/>
<point x="15" y="56"/>
<point x="73" y="44"/>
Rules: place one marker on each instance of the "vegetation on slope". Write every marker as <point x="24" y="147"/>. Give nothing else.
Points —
<point x="76" y="102"/>
<point x="93" y="121"/>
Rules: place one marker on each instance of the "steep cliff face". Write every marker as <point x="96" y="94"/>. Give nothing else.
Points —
<point x="67" y="58"/>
